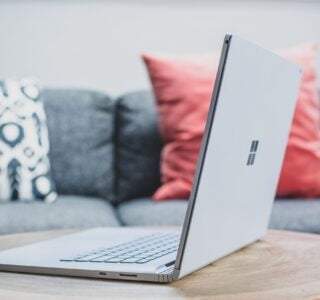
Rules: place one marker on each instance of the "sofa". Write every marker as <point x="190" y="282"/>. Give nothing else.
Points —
<point x="104" y="154"/>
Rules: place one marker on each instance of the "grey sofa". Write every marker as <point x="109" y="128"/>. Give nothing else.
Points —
<point x="105" y="161"/>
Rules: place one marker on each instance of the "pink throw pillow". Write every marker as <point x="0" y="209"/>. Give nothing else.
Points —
<point x="183" y="87"/>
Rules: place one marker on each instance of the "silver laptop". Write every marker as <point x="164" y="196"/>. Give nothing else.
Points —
<point x="235" y="182"/>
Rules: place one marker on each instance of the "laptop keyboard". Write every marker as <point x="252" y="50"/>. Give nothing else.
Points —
<point x="140" y="251"/>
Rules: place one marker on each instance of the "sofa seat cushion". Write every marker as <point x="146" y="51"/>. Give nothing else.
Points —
<point x="81" y="129"/>
<point x="145" y="212"/>
<point x="66" y="212"/>
<point x="296" y="215"/>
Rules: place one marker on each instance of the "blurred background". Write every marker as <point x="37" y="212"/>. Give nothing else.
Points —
<point x="97" y="44"/>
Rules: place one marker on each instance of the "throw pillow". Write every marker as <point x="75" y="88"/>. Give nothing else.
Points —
<point x="24" y="145"/>
<point x="183" y="88"/>
<point x="300" y="175"/>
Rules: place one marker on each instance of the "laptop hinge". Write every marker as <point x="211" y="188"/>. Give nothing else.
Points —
<point x="169" y="277"/>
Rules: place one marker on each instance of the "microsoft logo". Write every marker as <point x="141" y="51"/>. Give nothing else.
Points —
<point x="253" y="152"/>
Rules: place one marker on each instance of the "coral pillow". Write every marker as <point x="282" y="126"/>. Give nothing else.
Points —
<point x="300" y="175"/>
<point x="183" y="88"/>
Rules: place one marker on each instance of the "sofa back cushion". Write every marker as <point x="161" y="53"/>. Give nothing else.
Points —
<point x="81" y="128"/>
<point x="138" y="144"/>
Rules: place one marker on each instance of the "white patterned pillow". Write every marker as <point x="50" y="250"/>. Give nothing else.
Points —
<point x="24" y="144"/>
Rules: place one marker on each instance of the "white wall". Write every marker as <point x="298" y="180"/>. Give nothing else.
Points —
<point x="97" y="44"/>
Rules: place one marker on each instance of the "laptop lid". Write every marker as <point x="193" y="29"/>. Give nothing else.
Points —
<point x="241" y="156"/>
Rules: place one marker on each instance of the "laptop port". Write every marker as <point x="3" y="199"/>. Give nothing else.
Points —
<point x="128" y="275"/>
<point x="103" y="273"/>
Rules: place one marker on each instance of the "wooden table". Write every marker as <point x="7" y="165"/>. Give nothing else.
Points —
<point x="284" y="265"/>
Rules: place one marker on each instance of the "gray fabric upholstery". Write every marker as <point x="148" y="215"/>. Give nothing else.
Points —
<point x="138" y="145"/>
<point x="81" y="128"/>
<point x="144" y="212"/>
<point x="66" y="212"/>
<point x="296" y="215"/>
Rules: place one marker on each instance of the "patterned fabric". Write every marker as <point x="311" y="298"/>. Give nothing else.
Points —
<point x="24" y="145"/>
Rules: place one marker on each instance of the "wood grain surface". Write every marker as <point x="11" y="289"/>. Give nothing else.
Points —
<point x="283" y="265"/>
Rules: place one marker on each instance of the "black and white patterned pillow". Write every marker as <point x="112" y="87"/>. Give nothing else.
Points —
<point x="24" y="144"/>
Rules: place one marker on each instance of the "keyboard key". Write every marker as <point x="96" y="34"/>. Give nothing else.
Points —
<point x="139" y="256"/>
<point x="68" y="259"/>
<point x="153" y="252"/>
<point x="130" y="260"/>
<point x="124" y="256"/>
<point x="101" y="258"/>
<point x="114" y="260"/>
<point x="88" y="257"/>
<point x="133" y="253"/>
<point x="143" y="261"/>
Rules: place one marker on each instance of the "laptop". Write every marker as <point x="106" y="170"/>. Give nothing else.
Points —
<point x="234" y="186"/>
